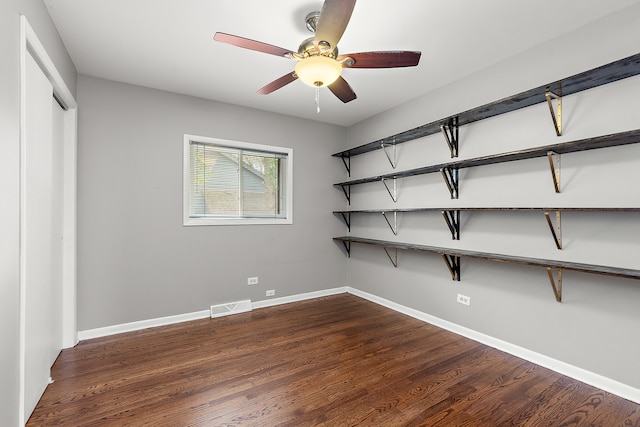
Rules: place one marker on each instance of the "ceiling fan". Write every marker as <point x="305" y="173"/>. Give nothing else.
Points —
<point x="319" y="63"/>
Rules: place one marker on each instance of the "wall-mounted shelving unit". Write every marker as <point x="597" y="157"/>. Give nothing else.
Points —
<point x="450" y="170"/>
<point x="452" y="216"/>
<point x="448" y="126"/>
<point x="452" y="258"/>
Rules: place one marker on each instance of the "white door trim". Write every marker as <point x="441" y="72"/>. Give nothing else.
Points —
<point x="31" y="45"/>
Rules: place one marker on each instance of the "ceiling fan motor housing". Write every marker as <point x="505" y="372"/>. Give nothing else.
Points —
<point x="307" y="48"/>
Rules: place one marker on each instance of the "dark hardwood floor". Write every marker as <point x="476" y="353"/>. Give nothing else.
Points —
<point x="334" y="361"/>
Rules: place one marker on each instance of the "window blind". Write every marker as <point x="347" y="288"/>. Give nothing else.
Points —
<point x="235" y="183"/>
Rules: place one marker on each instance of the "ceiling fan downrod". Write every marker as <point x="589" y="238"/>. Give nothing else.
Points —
<point x="312" y="21"/>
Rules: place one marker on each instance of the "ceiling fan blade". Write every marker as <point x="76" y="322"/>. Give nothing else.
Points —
<point x="277" y="84"/>
<point x="383" y="59"/>
<point x="333" y="20"/>
<point x="342" y="90"/>
<point x="252" y="45"/>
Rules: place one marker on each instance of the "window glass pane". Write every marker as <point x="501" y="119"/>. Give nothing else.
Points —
<point x="214" y="181"/>
<point x="222" y="190"/>
<point x="260" y="186"/>
<point x="197" y="178"/>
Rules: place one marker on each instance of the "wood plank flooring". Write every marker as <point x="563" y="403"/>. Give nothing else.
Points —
<point x="333" y="361"/>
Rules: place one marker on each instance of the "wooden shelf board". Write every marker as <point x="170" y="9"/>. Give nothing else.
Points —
<point x="608" y="73"/>
<point x="409" y="210"/>
<point x="588" y="268"/>
<point x="604" y="141"/>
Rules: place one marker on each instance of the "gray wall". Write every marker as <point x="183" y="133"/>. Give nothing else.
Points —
<point x="39" y="19"/>
<point x="136" y="260"/>
<point x="594" y="326"/>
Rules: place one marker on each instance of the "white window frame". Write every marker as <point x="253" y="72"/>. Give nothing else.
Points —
<point x="288" y="183"/>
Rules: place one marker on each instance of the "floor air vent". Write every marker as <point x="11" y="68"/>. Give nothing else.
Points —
<point x="230" y="308"/>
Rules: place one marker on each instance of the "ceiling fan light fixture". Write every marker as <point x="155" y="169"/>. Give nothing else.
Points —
<point x="318" y="70"/>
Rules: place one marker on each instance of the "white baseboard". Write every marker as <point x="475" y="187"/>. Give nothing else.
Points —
<point x="623" y="390"/>
<point x="300" y="297"/>
<point x="142" y="324"/>
<point x="169" y="320"/>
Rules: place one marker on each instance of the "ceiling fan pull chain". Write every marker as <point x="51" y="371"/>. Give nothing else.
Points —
<point x="318" y="99"/>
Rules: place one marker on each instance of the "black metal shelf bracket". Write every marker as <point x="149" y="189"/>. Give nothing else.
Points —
<point x="347" y="219"/>
<point x="450" y="132"/>
<point x="453" y="264"/>
<point x="556" y="115"/>
<point x="347" y="247"/>
<point x="557" y="286"/>
<point x="346" y="189"/>
<point x="556" y="229"/>
<point x="393" y="192"/>
<point x="450" y="176"/>
<point x="452" y="218"/>
<point x="394" y="258"/>
<point x="393" y="162"/>
<point x="554" y="164"/>
<point x="394" y="226"/>
<point x="347" y="163"/>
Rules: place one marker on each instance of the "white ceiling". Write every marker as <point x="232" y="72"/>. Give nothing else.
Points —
<point x="168" y="45"/>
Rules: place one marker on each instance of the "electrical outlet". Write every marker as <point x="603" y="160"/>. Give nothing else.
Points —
<point x="463" y="299"/>
<point x="271" y="292"/>
<point x="252" y="281"/>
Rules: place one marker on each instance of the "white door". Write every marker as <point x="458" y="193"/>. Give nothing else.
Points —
<point x="40" y="235"/>
<point x="57" y="217"/>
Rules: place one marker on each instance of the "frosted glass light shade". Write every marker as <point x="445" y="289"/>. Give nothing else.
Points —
<point x="318" y="70"/>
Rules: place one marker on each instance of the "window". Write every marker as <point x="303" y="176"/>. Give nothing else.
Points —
<point x="229" y="182"/>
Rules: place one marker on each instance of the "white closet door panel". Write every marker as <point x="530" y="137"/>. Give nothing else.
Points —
<point x="57" y="212"/>
<point x="37" y="235"/>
